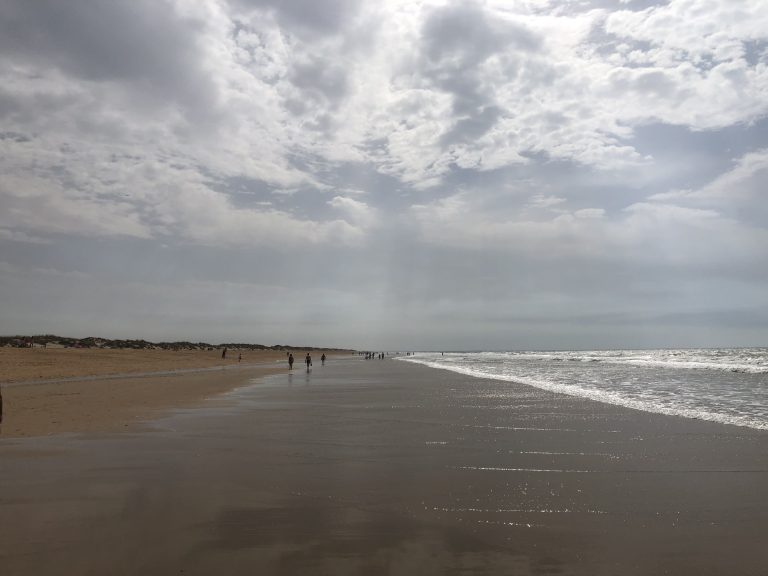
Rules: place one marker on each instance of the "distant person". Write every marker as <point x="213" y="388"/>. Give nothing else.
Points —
<point x="239" y="357"/>
<point x="224" y="353"/>
<point x="290" y="361"/>
<point x="322" y="359"/>
<point x="308" y="361"/>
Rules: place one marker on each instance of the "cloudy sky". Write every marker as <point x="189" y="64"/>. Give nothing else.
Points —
<point x="398" y="174"/>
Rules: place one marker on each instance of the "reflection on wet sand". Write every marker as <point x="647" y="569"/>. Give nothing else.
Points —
<point x="377" y="468"/>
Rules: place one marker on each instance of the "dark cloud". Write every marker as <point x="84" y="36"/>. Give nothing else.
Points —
<point x="736" y="317"/>
<point x="471" y="127"/>
<point x="9" y="105"/>
<point x="465" y="35"/>
<point x="142" y="44"/>
<point x="458" y="40"/>
<point x="320" y="80"/>
<point x="15" y="137"/>
<point x="314" y="16"/>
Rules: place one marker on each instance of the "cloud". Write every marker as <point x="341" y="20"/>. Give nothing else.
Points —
<point x="687" y="62"/>
<point x="308" y="16"/>
<point x="144" y="45"/>
<point x="738" y="193"/>
<point x="145" y="199"/>
<point x="356" y="212"/>
<point x="589" y="213"/>
<point x="541" y="201"/>
<point x="653" y="234"/>
<point x="541" y="153"/>
<point x="745" y="180"/>
<point x="31" y="206"/>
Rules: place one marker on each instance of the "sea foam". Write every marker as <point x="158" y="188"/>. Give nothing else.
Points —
<point x="725" y="386"/>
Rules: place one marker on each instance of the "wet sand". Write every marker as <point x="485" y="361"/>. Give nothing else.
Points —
<point x="380" y="467"/>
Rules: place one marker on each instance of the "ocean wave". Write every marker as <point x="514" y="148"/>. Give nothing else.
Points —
<point x="648" y="404"/>
<point x="698" y="365"/>
<point x="753" y="362"/>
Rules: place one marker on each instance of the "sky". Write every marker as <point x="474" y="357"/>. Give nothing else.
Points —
<point x="388" y="175"/>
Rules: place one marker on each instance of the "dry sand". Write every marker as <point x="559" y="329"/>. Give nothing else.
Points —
<point x="381" y="468"/>
<point x="55" y="390"/>
<point x="25" y="364"/>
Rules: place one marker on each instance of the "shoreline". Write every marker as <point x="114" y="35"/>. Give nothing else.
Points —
<point x="612" y="399"/>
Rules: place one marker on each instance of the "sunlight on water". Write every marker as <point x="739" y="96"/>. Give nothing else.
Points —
<point x="723" y="385"/>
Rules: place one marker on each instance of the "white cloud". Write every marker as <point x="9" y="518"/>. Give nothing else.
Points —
<point x="589" y="213"/>
<point x="541" y="201"/>
<point x="690" y="64"/>
<point x="684" y="228"/>
<point x="197" y="214"/>
<point x="356" y="212"/>
<point x="36" y="205"/>
<point x="143" y="197"/>
<point x="404" y="93"/>
<point x="743" y="184"/>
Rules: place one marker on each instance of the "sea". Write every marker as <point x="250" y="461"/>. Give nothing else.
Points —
<point x="729" y="386"/>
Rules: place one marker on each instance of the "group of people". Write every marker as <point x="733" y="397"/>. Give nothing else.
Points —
<point x="307" y="360"/>
<point x="224" y="355"/>
<point x="374" y="355"/>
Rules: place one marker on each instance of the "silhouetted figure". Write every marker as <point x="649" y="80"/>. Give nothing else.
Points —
<point x="322" y="359"/>
<point x="239" y="357"/>
<point x="223" y="353"/>
<point x="308" y="361"/>
<point x="290" y="361"/>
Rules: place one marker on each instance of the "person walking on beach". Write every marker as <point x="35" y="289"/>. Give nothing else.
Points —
<point x="308" y="361"/>
<point x="224" y="353"/>
<point x="322" y="359"/>
<point x="290" y="361"/>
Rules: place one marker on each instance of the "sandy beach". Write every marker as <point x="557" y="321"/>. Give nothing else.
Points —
<point x="56" y="390"/>
<point x="382" y="467"/>
<point x="28" y="364"/>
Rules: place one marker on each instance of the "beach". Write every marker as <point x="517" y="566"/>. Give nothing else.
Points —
<point x="55" y="363"/>
<point x="385" y="467"/>
<point x="65" y="390"/>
